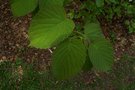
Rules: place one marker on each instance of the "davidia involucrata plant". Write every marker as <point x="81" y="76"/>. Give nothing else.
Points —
<point x="75" y="47"/>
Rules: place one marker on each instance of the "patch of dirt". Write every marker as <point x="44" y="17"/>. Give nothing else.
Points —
<point x="118" y="34"/>
<point x="14" y="38"/>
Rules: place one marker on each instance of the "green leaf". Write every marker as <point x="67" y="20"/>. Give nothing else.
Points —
<point x="101" y="54"/>
<point x="23" y="7"/>
<point x="93" y="31"/>
<point x="88" y="65"/>
<point x="130" y="9"/>
<point x="100" y="3"/>
<point x="67" y="1"/>
<point x="112" y="1"/>
<point x="49" y="27"/>
<point x="68" y="59"/>
<point x="43" y="3"/>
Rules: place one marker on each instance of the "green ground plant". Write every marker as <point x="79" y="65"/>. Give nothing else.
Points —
<point x="121" y="77"/>
<point x="54" y="25"/>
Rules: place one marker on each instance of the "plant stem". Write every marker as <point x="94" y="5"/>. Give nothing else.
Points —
<point x="81" y="34"/>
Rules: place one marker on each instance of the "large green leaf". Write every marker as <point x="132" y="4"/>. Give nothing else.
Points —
<point x="50" y="26"/>
<point x="93" y="31"/>
<point x="113" y="1"/>
<point x="23" y="7"/>
<point x="43" y="3"/>
<point x="68" y="59"/>
<point x="101" y="54"/>
<point x="100" y="3"/>
<point x="88" y="65"/>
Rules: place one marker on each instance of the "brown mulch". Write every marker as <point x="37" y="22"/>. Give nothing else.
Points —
<point x="122" y="39"/>
<point x="14" y="38"/>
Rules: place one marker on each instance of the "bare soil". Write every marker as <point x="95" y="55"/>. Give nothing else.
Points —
<point x="14" y="38"/>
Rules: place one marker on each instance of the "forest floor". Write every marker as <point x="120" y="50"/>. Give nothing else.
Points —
<point x="14" y="38"/>
<point x="14" y="43"/>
